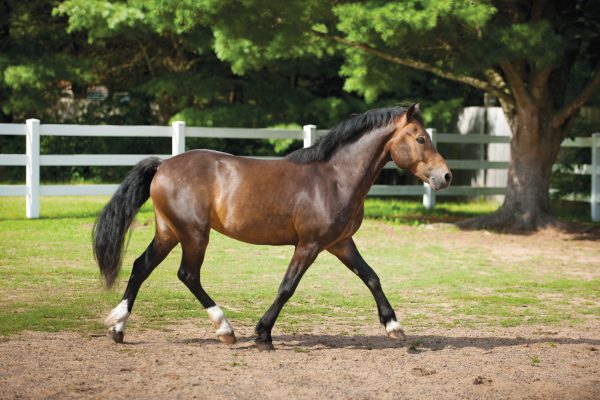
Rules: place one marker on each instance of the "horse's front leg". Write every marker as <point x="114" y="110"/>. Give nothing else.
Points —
<point x="304" y="256"/>
<point x="348" y="254"/>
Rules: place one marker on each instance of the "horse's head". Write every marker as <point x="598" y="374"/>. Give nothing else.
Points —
<point x="411" y="149"/>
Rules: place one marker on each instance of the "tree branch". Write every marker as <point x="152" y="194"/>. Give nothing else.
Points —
<point x="571" y="108"/>
<point x="416" y="64"/>
<point x="146" y="57"/>
<point x="539" y="81"/>
<point x="496" y="80"/>
<point x="516" y="83"/>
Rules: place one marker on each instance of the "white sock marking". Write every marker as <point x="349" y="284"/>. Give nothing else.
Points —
<point x="117" y="319"/>
<point x="120" y="326"/>
<point x="219" y="320"/>
<point x="392" y="326"/>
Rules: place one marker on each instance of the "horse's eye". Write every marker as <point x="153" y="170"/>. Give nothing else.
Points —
<point x="420" y="140"/>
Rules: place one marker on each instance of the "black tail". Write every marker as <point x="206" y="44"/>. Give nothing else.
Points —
<point x="112" y="224"/>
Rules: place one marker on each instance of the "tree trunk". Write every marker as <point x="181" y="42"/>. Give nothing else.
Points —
<point x="534" y="147"/>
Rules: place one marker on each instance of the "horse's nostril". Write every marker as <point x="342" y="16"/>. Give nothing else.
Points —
<point x="448" y="177"/>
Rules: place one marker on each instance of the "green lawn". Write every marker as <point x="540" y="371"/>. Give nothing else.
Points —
<point x="49" y="281"/>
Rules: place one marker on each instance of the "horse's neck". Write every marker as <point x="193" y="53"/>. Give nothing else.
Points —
<point x="358" y="164"/>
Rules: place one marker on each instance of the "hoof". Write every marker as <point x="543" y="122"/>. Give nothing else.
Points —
<point x="264" y="346"/>
<point x="228" y="339"/>
<point x="397" y="334"/>
<point x="117" y="336"/>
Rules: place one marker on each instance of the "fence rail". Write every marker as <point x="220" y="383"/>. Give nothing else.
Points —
<point x="178" y="132"/>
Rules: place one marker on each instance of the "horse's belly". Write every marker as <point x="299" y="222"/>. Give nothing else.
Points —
<point x="256" y="228"/>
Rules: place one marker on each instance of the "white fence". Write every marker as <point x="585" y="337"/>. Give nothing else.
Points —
<point x="178" y="132"/>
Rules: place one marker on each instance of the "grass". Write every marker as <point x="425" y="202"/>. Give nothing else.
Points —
<point x="49" y="281"/>
<point x="413" y="213"/>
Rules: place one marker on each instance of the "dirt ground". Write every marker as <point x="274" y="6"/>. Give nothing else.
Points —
<point x="186" y="360"/>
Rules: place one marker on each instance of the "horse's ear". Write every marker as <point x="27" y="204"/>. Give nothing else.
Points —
<point x="412" y="111"/>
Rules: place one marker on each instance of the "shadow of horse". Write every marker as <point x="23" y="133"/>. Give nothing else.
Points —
<point x="414" y="343"/>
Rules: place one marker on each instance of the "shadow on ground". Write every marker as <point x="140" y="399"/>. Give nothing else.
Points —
<point x="414" y="343"/>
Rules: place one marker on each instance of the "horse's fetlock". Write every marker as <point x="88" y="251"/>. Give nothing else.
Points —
<point x="260" y="328"/>
<point x="394" y="330"/>
<point x="263" y="339"/>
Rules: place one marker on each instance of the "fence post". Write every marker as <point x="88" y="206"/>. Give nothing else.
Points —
<point x="429" y="195"/>
<point x="310" y="135"/>
<point x="32" y="169"/>
<point x="178" y="137"/>
<point x="595" y="205"/>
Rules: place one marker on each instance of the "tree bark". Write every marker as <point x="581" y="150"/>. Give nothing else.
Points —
<point x="534" y="147"/>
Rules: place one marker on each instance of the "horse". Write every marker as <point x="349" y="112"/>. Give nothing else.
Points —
<point x="312" y="199"/>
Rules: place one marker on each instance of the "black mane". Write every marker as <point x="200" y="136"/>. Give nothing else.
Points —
<point x="346" y="132"/>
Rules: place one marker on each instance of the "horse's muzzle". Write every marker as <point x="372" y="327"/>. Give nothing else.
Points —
<point x="440" y="179"/>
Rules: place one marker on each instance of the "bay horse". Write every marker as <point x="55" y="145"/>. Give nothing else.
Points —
<point x="312" y="199"/>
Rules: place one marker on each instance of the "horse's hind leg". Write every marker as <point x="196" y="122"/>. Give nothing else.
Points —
<point x="154" y="254"/>
<point x="348" y="254"/>
<point x="193" y="251"/>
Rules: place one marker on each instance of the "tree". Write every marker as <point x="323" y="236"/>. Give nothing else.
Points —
<point x="154" y="71"/>
<point x="166" y="52"/>
<point x="541" y="59"/>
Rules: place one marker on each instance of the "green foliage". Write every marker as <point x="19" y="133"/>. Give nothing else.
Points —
<point x="100" y="17"/>
<point x="282" y="146"/>
<point x="255" y="63"/>
<point x="372" y="77"/>
<point x="442" y="114"/>
<point x="391" y="22"/>
<point x="158" y="62"/>
<point x="35" y="58"/>
<point x="459" y="36"/>
<point x="537" y="42"/>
